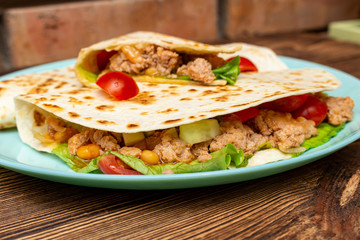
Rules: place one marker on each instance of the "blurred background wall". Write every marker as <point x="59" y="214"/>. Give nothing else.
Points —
<point x="41" y="31"/>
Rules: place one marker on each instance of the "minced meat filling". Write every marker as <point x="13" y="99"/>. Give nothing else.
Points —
<point x="158" y="61"/>
<point x="278" y="128"/>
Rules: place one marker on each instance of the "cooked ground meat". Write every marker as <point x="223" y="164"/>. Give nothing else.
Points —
<point x="157" y="60"/>
<point x="238" y="134"/>
<point x="340" y="109"/>
<point x="173" y="150"/>
<point x="201" y="151"/>
<point x="104" y="139"/>
<point x="282" y="130"/>
<point x="133" y="151"/>
<point x="198" y="70"/>
<point x="153" y="140"/>
<point x="78" y="140"/>
<point x="55" y="125"/>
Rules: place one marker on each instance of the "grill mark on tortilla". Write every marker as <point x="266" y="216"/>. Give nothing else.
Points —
<point x="60" y="85"/>
<point x="75" y="100"/>
<point x="132" y="125"/>
<point x="42" y="99"/>
<point x="88" y="118"/>
<point x="144" y="113"/>
<point x="174" y="93"/>
<point x="169" y="110"/>
<point x="53" y="106"/>
<point x="172" y="121"/>
<point x="37" y="90"/>
<point x="73" y="115"/>
<point x="217" y="110"/>
<point x="185" y="99"/>
<point x="105" y="122"/>
<point x="105" y="108"/>
<point x="152" y="84"/>
<point x="5" y="82"/>
<point x="88" y="97"/>
<point x="249" y="91"/>
<point x="192" y="117"/>
<point x="143" y="98"/>
<point x="173" y="86"/>
<point x="209" y="92"/>
<point x="192" y="90"/>
<point x="223" y="98"/>
<point x="77" y="91"/>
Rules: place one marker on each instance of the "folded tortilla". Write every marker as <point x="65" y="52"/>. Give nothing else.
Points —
<point x="162" y="106"/>
<point x="34" y="83"/>
<point x="263" y="58"/>
<point x="87" y="69"/>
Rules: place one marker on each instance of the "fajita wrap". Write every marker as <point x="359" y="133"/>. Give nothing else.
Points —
<point x="50" y="81"/>
<point x="171" y="128"/>
<point x="155" y="57"/>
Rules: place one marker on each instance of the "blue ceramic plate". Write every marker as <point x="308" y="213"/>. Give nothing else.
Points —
<point x="19" y="157"/>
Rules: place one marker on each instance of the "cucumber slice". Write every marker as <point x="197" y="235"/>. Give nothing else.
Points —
<point x="200" y="131"/>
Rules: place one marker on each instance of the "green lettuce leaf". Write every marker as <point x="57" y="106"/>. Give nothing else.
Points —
<point x="76" y="163"/>
<point x="325" y="132"/>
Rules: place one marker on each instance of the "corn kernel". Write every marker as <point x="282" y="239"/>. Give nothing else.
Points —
<point x="150" y="157"/>
<point x="88" y="152"/>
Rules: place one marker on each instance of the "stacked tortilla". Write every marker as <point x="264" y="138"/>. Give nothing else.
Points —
<point x="158" y="105"/>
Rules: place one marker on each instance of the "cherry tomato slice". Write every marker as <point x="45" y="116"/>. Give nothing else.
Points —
<point x="118" y="84"/>
<point x="242" y="115"/>
<point x="102" y="58"/>
<point x="246" y="65"/>
<point x="313" y="109"/>
<point x="110" y="164"/>
<point x="287" y="104"/>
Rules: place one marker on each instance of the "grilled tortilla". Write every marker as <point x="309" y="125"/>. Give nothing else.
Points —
<point x="132" y="44"/>
<point x="35" y="83"/>
<point x="162" y="106"/>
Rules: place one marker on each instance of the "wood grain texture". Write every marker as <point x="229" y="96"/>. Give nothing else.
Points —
<point x="318" y="201"/>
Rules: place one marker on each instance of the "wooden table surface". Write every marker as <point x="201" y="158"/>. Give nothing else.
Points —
<point x="318" y="201"/>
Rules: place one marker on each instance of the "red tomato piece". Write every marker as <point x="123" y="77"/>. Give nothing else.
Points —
<point x="313" y="109"/>
<point x="287" y="104"/>
<point x="242" y="115"/>
<point x="119" y="85"/>
<point x="246" y="65"/>
<point x="102" y="58"/>
<point x="110" y="164"/>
